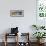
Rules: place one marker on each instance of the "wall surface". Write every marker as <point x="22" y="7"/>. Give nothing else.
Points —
<point x="24" y="23"/>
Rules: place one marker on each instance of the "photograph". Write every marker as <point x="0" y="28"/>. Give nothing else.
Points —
<point x="17" y="13"/>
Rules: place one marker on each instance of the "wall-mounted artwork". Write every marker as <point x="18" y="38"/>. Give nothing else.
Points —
<point x="17" y="13"/>
<point x="41" y="8"/>
<point x="41" y="12"/>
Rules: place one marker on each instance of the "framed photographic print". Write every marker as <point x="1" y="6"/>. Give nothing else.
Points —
<point x="41" y="8"/>
<point x="17" y="13"/>
<point x="41" y="12"/>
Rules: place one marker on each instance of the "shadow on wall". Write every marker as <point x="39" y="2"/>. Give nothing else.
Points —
<point x="32" y="30"/>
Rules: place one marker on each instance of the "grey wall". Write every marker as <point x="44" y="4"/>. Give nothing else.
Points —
<point x="24" y="23"/>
